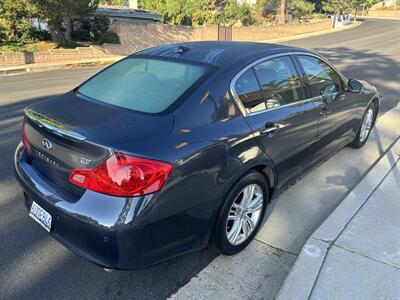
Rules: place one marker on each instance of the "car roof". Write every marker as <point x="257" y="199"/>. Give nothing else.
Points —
<point x="217" y="52"/>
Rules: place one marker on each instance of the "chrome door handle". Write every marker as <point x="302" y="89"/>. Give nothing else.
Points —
<point x="270" y="129"/>
<point x="325" y="112"/>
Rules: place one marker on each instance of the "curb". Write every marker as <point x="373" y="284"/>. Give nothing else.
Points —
<point x="382" y="18"/>
<point x="31" y="68"/>
<point x="301" y="280"/>
<point x="312" y="34"/>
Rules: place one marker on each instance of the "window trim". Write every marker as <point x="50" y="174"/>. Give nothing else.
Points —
<point x="305" y="80"/>
<point x="296" y="70"/>
<point x="239" y="103"/>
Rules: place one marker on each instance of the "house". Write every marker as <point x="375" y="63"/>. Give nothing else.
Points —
<point x="81" y="27"/>
<point x="126" y="13"/>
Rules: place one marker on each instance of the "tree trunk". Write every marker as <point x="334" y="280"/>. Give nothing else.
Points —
<point x="57" y="31"/>
<point x="336" y="18"/>
<point x="68" y="28"/>
<point x="282" y="12"/>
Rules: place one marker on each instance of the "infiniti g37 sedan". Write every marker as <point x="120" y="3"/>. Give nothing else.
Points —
<point x="182" y="146"/>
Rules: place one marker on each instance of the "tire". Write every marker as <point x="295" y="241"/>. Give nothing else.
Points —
<point x="368" y="120"/>
<point x="250" y="221"/>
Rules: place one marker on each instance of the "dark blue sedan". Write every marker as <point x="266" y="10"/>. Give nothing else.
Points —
<point x="182" y="146"/>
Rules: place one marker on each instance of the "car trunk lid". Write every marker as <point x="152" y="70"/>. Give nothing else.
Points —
<point x="69" y="133"/>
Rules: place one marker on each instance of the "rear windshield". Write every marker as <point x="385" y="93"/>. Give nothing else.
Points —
<point x="142" y="84"/>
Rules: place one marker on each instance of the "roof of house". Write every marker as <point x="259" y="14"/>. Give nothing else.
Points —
<point x="126" y="12"/>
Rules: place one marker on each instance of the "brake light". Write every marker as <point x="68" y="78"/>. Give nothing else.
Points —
<point x="25" y="140"/>
<point x="123" y="175"/>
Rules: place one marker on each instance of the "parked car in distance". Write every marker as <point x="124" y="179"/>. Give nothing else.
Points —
<point x="182" y="146"/>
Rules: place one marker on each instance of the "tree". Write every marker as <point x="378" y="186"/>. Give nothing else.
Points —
<point x="338" y="6"/>
<point x="265" y="11"/>
<point x="113" y="2"/>
<point x="182" y="12"/>
<point x="16" y="20"/>
<point x="231" y="12"/>
<point x="300" y="8"/>
<point x="200" y="12"/>
<point x="58" y="14"/>
<point x="282" y="12"/>
<point x="101" y="24"/>
<point x="317" y="4"/>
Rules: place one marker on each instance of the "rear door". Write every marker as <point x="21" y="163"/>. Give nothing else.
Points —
<point x="283" y="121"/>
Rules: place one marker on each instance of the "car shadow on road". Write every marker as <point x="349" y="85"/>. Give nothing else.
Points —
<point x="34" y="266"/>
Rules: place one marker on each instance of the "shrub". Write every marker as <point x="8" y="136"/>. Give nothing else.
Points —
<point x="39" y="35"/>
<point x="100" y="25"/>
<point x="108" y="37"/>
<point x="320" y="16"/>
<point x="18" y="47"/>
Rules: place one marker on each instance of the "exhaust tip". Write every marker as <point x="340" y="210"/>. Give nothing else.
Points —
<point x="108" y="270"/>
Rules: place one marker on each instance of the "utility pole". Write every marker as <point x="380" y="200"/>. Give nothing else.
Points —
<point x="282" y="11"/>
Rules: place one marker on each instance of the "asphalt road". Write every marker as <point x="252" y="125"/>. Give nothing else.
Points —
<point x="32" y="265"/>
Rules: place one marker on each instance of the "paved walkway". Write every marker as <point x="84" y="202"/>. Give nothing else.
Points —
<point x="355" y="253"/>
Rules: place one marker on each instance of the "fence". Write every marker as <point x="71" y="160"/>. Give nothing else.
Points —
<point x="135" y="37"/>
<point x="54" y="55"/>
<point x="138" y="36"/>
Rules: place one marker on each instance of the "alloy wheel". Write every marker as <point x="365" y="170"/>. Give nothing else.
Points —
<point x="366" y="125"/>
<point x="244" y="214"/>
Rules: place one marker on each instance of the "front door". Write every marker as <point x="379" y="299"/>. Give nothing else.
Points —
<point x="336" y="117"/>
<point x="284" y="123"/>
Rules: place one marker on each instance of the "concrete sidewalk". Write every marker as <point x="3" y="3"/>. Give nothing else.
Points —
<point x="355" y="253"/>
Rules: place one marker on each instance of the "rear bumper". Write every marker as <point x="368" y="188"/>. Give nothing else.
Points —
<point x="112" y="232"/>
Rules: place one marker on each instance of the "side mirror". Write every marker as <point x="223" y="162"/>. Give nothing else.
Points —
<point x="354" y="86"/>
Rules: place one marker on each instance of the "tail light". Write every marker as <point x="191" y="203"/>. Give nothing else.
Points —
<point x="25" y="140"/>
<point x="123" y="175"/>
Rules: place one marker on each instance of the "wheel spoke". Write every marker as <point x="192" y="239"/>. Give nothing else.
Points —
<point x="237" y="207"/>
<point x="250" y="223"/>
<point x="255" y="205"/>
<point x="248" y="194"/>
<point x="235" y="231"/>
<point x="246" y="229"/>
<point x="233" y="217"/>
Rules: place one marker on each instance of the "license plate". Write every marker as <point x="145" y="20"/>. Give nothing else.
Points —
<point x="41" y="216"/>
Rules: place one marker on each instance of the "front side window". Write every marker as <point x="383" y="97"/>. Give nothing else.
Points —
<point x="142" y="84"/>
<point x="279" y="81"/>
<point x="321" y="78"/>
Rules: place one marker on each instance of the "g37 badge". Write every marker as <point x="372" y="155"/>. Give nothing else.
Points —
<point x="85" y="161"/>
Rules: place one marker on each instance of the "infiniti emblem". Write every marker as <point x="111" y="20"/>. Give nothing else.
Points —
<point x="47" y="144"/>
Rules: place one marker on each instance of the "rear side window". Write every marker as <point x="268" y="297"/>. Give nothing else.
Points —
<point x="249" y="92"/>
<point x="142" y="84"/>
<point x="279" y="81"/>
<point x="322" y="79"/>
